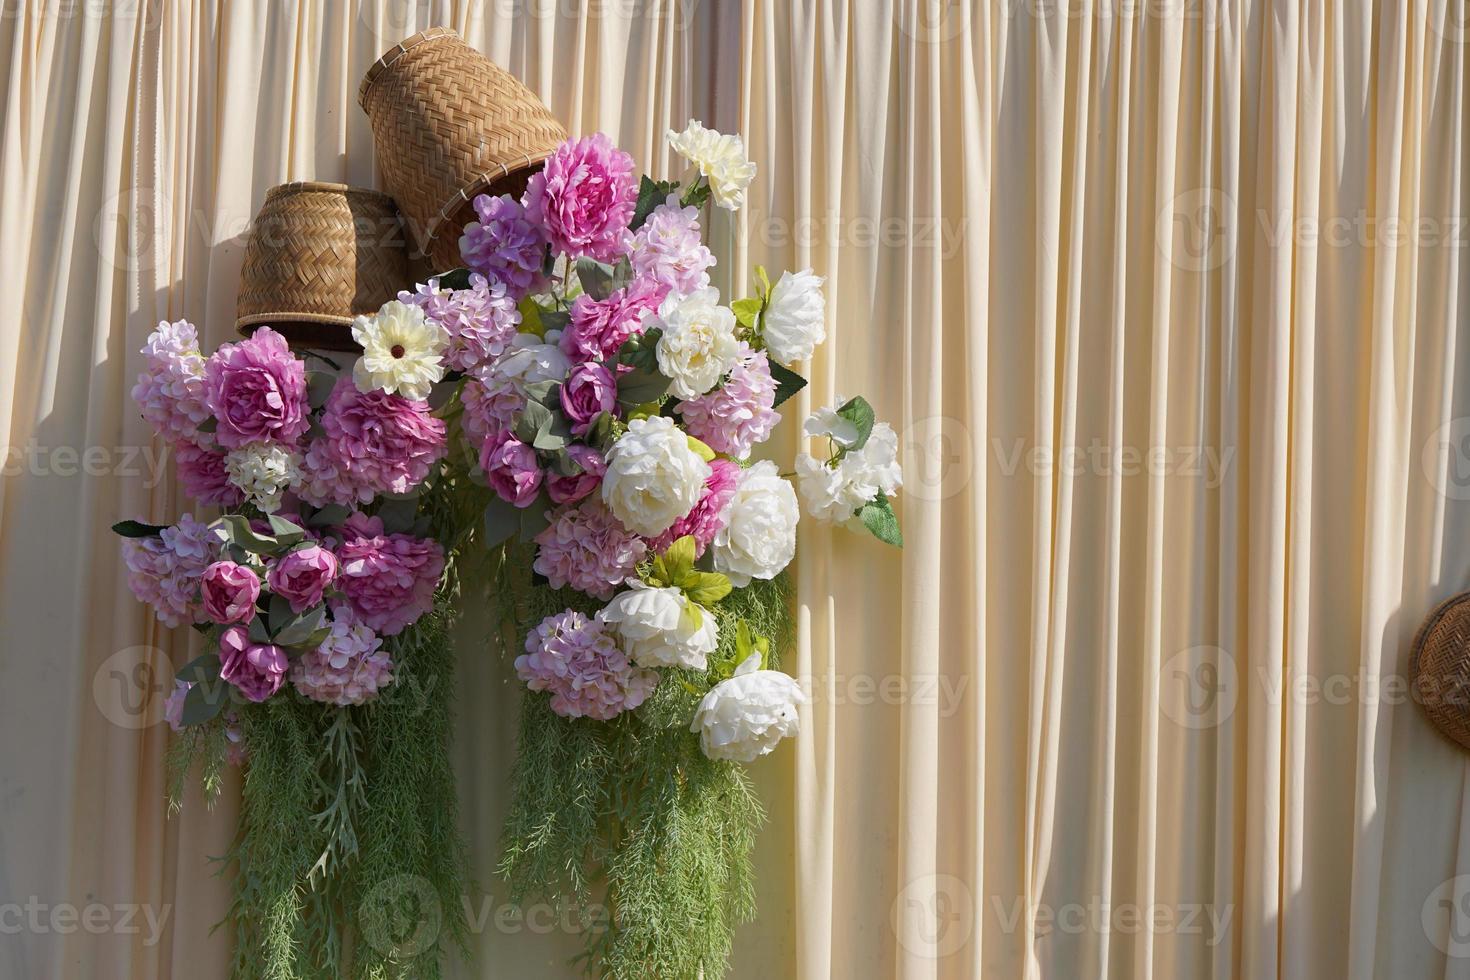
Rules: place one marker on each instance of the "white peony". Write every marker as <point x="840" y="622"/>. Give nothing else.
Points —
<point x="402" y="351"/>
<point x="743" y="718"/>
<point x="698" y="346"/>
<point x="263" y="472"/>
<point x="759" y="536"/>
<point x="656" y="627"/>
<point x="653" y="478"/>
<point x="530" y="360"/>
<point x="834" y="493"/>
<point x="794" y="322"/>
<point x="720" y="158"/>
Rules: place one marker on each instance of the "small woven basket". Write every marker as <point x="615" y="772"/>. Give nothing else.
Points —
<point x="1439" y="668"/>
<point x="449" y="124"/>
<point x="319" y="255"/>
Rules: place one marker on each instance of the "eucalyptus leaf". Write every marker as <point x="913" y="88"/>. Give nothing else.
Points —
<point x="203" y="702"/>
<point x="299" y="630"/>
<point x="319" y="385"/>
<point x="200" y="669"/>
<point x="597" y="278"/>
<point x="241" y="534"/>
<point x="533" y="419"/>
<point x="137" y="529"/>
<point x="639" y="387"/>
<point x="329" y="516"/>
<point x="398" y="515"/>
<point x="534" y="518"/>
<point x="287" y="534"/>
<point x="502" y="522"/>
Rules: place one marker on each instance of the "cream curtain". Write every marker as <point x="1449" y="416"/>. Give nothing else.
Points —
<point x="1164" y="301"/>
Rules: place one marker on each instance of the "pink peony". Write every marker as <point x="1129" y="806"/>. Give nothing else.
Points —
<point x="202" y="471"/>
<point x="373" y="443"/>
<point x="350" y="666"/>
<point x="388" y="578"/>
<point x="586" y="548"/>
<point x="491" y="402"/>
<point x="599" y="327"/>
<point x="229" y="592"/>
<point x="511" y="469"/>
<point x="571" y="656"/>
<point x="708" y="515"/>
<point x="584" y="198"/>
<point x="256" y="669"/>
<point x="504" y="245"/>
<point x="668" y="249"/>
<point x="164" y="569"/>
<point x="481" y="320"/>
<point x="170" y="391"/>
<point x="302" y="575"/>
<point x="588" y="392"/>
<point x="257" y="391"/>
<point x="570" y="489"/>
<point x="734" y="417"/>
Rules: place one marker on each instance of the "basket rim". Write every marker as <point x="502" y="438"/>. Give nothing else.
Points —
<point x="1421" y="635"/>
<point x="293" y="187"/>
<point x="397" y="51"/>
<point x="332" y="319"/>
<point x="473" y="188"/>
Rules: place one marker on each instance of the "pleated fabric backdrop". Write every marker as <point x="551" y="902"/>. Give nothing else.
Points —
<point x="1165" y="302"/>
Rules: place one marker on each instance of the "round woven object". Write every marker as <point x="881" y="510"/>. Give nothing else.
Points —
<point x="319" y="255"/>
<point x="1439" y="668"/>
<point x="449" y="124"/>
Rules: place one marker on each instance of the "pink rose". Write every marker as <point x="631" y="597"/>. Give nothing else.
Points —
<point x="569" y="489"/>
<point x="257" y="391"/>
<point x="389" y="579"/>
<point x="598" y="327"/>
<point x="584" y="198"/>
<point x="588" y="392"/>
<point x="256" y="669"/>
<point x="229" y="592"/>
<point x="302" y="575"/>
<point x="511" y="469"/>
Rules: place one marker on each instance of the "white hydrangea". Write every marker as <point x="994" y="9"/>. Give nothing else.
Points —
<point x="743" y="718"/>
<point x="825" y="422"/>
<point x="402" y="351"/>
<point x="720" y="159"/>
<point x="657" y="627"/>
<point x="794" y="322"/>
<point x="759" y="536"/>
<point x="832" y="494"/>
<point x="653" y="477"/>
<point x="531" y="360"/>
<point x="698" y="345"/>
<point x="263" y="472"/>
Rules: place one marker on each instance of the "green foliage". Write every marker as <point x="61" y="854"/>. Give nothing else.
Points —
<point x="878" y="517"/>
<point x="651" y="193"/>
<point x="860" y="414"/>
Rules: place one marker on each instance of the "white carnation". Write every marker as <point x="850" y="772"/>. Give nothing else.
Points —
<point x="759" y="536"/>
<point x="698" y="345"/>
<point x="720" y="158"/>
<point x="402" y="351"/>
<point x="743" y="718"/>
<point x="653" y="478"/>
<point x="794" y="322"/>
<point x="834" y="493"/>
<point x="658" y="627"/>
<point x="263" y="472"/>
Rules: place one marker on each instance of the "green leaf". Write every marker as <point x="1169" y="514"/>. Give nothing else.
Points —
<point x="878" y="517"/>
<point x="454" y="279"/>
<point x="639" y="387"/>
<point x="533" y="517"/>
<point x="696" y="194"/>
<point x="287" y="534"/>
<point x="200" y="669"/>
<point x="678" y="559"/>
<point x="700" y="449"/>
<point x="706" y="588"/>
<point x="597" y="278"/>
<point x="641" y="350"/>
<point x="747" y="311"/>
<point x="208" y="425"/>
<point x="763" y="281"/>
<point x="204" y="701"/>
<point x="137" y="529"/>
<point x="298" y="630"/>
<point x="502" y="522"/>
<point x="599" y="434"/>
<point x="259" y="632"/>
<point x="788" y="382"/>
<point x="651" y="193"/>
<point x="242" y="535"/>
<point x="398" y="515"/>
<point x="860" y="414"/>
<point x="329" y="516"/>
<point x="319" y="385"/>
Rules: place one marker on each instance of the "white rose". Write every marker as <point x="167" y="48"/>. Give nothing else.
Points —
<point x="759" y="536"/>
<point x="657" y="628"/>
<point x="529" y="361"/>
<point x="744" y="717"/>
<point x="653" y="478"/>
<point x="401" y="351"/>
<point x="263" y="472"/>
<point x="720" y="159"/>
<point x="698" y="345"/>
<point x="795" y="319"/>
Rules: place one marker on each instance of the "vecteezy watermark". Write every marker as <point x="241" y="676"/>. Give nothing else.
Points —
<point x="1198" y="687"/>
<point x="1445" y="459"/>
<point x="934" y="916"/>
<point x="938" y="457"/>
<point x="1197" y="230"/>
<point x="395" y="20"/>
<point x="1445" y="916"/>
<point x="36" y="917"/>
<point x="1097" y="458"/>
<point x="130" y="687"/>
<point x="1096" y="916"/>
<point x="126" y="462"/>
<point x="943" y="235"/>
<point x="862" y="690"/>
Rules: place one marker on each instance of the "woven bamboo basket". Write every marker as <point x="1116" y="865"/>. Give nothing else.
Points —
<point x="1439" y="668"/>
<point x="449" y="124"/>
<point x="319" y="255"/>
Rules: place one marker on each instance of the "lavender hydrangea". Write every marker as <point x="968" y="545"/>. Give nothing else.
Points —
<point x="668" y="249"/>
<point x="164" y="569"/>
<point x="482" y="320"/>
<point x="586" y="548"/>
<point x="734" y="417"/>
<point x="491" y="401"/>
<point x="170" y="391"/>
<point x="504" y="245"/>
<point x="350" y="666"/>
<point x="571" y="656"/>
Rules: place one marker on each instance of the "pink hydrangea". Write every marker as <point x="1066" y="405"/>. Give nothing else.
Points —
<point x="257" y="391"/>
<point x="708" y="515"/>
<point x="373" y="443"/>
<point x="491" y="402"/>
<point x="482" y="320"/>
<point x="388" y="578"/>
<point x="734" y="417"/>
<point x="585" y="547"/>
<point x="584" y="198"/>
<point x="257" y="670"/>
<point x="599" y="327"/>
<point x="570" y="489"/>
<point x="170" y="391"/>
<point x="511" y="469"/>
<point x="504" y="245"/>
<point x="164" y="569"/>
<point x="202" y="471"/>
<point x="668" y="249"/>
<point x="350" y="666"/>
<point x="572" y="657"/>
